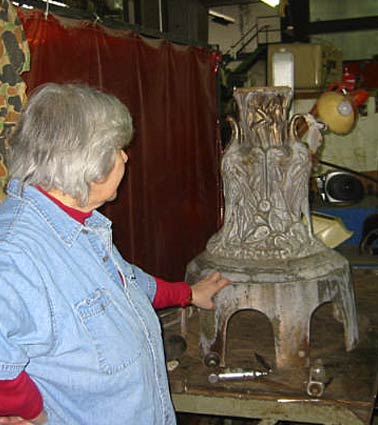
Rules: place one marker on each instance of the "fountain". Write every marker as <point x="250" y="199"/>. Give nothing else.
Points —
<point x="266" y="246"/>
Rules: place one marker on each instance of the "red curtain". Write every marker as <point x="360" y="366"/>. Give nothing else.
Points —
<point x="169" y="202"/>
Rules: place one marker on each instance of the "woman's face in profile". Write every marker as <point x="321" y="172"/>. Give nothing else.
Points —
<point x="106" y="190"/>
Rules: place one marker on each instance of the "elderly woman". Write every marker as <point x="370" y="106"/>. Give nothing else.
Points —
<point x="80" y="343"/>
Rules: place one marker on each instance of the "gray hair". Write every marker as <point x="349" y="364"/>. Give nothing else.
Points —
<point x="67" y="138"/>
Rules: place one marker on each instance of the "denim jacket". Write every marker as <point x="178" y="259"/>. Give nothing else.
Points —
<point x="91" y="343"/>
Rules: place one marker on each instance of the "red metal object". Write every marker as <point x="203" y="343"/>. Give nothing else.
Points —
<point x="365" y="71"/>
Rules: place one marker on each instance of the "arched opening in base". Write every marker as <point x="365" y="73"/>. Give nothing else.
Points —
<point x="250" y="342"/>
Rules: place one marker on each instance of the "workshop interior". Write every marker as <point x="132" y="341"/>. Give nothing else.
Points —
<point x="256" y="148"/>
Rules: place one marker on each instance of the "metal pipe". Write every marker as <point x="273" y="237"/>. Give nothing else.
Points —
<point x="238" y="375"/>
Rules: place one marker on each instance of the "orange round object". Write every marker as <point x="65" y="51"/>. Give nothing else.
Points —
<point x="338" y="111"/>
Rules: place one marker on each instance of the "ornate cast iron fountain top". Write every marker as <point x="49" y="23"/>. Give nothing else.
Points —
<point x="266" y="171"/>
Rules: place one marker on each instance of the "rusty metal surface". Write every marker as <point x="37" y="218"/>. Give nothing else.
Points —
<point x="287" y="294"/>
<point x="350" y="388"/>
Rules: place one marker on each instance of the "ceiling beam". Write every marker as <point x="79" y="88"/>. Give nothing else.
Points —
<point x="216" y="3"/>
<point x="343" y="25"/>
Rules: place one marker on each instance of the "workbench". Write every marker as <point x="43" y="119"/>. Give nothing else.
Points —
<point x="351" y="377"/>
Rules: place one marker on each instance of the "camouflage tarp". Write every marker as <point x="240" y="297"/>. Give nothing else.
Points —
<point x="14" y="60"/>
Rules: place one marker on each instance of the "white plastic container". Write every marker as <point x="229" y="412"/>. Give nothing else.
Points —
<point x="283" y="68"/>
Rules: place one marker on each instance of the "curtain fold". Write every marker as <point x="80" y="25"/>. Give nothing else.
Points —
<point x="169" y="202"/>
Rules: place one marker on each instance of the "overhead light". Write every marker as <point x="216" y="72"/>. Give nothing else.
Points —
<point x="27" y="6"/>
<point x="221" y="18"/>
<point x="55" y="3"/>
<point x="271" y="3"/>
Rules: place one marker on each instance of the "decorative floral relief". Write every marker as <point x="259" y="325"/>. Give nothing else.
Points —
<point x="266" y="170"/>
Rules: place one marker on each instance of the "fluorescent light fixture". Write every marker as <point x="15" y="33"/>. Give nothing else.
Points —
<point x="55" y="3"/>
<point x="27" y="6"/>
<point x="221" y="17"/>
<point x="271" y="3"/>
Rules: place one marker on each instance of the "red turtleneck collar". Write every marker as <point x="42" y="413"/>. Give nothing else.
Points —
<point x="78" y="215"/>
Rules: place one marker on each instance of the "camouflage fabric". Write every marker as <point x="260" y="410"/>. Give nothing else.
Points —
<point x="14" y="60"/>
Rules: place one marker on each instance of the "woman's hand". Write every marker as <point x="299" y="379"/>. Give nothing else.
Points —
<point x="204" y="290"/>
<point x="14" y="420"/>
<point x="41" y="419"/>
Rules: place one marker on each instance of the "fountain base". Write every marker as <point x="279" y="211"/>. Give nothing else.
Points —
<point x="287" y="292"/>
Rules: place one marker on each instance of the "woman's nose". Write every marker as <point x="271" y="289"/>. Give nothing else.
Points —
<point x="124" y="156"/>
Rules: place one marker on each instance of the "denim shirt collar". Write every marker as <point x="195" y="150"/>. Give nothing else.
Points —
<point x="67" y="228"/>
